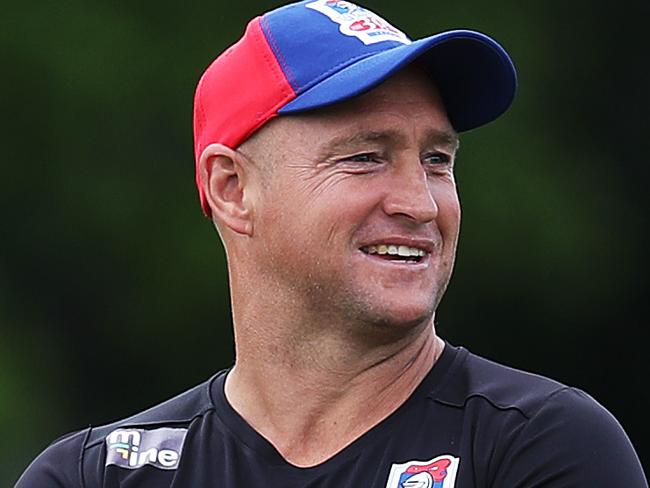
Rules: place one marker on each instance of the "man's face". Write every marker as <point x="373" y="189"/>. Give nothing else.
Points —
<point x="359" y="216"/>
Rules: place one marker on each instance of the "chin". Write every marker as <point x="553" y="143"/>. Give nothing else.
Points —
<point x="400" y="316"/>
<point x="410" y="319"/>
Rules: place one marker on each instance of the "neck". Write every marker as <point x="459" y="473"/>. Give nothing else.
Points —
<point x="346" y="383"/>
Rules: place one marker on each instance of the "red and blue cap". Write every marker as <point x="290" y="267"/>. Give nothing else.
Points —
<point x="316" y="53"/>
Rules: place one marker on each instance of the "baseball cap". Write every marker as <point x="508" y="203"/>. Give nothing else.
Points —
<point x="315" y="53"/>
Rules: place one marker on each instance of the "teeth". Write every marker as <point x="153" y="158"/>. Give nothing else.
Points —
<point x="395" y="250"/>
<point x="404" y="251"/>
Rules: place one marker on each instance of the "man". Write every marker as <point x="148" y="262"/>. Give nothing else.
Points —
<point x="325" y="142"/>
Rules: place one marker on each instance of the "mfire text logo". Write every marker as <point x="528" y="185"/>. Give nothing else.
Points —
<point x="133" y="448"/>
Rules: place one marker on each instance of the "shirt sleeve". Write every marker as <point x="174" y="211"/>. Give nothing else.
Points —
<point x="571" y="441"/>
<point x="58" y="466"/>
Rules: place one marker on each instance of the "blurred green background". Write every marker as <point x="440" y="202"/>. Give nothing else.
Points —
<point x="113" y="291"/>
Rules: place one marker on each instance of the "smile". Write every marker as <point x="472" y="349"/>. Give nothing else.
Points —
<point x="394" y="252"/>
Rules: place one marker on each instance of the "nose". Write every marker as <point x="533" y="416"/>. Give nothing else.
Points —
<point x="410" y="194"/>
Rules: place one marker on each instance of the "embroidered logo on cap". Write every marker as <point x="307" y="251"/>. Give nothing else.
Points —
<point x="359" y="22"/>
<point x="439" y="472"/>
<point x="134" y="448"/>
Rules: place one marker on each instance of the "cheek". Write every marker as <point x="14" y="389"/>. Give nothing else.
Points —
<point x="449" y="213"/>
<point x="335" y="220"/>
<point x="338" y="206"/>
<point x="301" y="221"/>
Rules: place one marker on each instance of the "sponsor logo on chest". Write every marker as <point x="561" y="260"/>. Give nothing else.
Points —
<point x="134" y="448"/>
<point x="439" y="472"/>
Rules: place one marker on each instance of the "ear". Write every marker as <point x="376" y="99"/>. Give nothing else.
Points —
<point x="223" y="178"/>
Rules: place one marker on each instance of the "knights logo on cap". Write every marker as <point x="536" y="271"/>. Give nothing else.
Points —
<point x="359" y="22"/>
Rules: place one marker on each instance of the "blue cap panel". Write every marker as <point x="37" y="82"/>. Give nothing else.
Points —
<point x="475" y="76"/>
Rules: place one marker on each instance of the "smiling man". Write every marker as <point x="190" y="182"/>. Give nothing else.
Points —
<point x="325" y="144"/>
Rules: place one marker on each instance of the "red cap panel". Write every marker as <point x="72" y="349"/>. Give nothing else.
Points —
<point x="239" y="92"/>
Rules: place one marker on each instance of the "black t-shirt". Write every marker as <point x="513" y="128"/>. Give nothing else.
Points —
<point x="471" y="423"/>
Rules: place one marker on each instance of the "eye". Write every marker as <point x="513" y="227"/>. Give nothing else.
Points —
<point x="363" y="158"/>
<point x="436" y="159"/>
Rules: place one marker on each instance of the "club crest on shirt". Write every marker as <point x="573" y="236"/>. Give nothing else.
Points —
<point x="439" y="472"/>
<point x="134" y="448"/>
<point x="359" y="22"/>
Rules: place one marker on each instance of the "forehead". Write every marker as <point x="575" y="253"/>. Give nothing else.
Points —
<point x="408" y="86"/>
<point x="408" y="101"/>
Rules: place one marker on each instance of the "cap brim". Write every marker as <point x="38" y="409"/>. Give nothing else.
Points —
<point x="474" y="74"/>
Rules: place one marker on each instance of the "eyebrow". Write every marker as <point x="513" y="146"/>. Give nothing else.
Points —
<point x="342" y="143"/>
